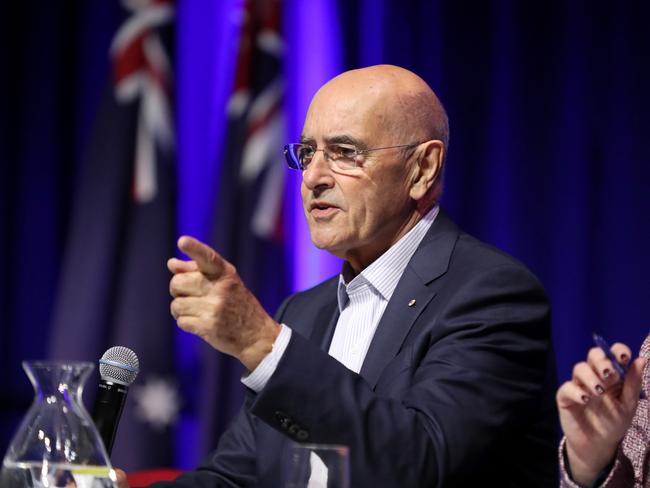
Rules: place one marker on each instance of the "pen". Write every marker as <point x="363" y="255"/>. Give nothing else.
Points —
<point x="602" y="344"/>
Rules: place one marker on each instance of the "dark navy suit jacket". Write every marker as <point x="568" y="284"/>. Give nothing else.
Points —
<point x="456" y="390"/>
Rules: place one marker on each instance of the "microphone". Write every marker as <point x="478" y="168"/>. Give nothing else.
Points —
<point x="118" y="367"/>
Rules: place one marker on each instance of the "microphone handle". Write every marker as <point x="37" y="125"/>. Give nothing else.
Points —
<point x="108" y="409"/>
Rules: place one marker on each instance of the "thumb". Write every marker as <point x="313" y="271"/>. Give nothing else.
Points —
<point x="122" y="481"/>
<point x="633" y="382"/>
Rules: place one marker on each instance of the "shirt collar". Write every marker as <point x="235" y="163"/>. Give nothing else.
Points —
<point x="384" y="273"/>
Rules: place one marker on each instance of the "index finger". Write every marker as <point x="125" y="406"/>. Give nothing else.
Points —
<point x="207" y="259"/>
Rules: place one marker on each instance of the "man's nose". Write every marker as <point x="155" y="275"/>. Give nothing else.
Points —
<point x="318" y="172"/>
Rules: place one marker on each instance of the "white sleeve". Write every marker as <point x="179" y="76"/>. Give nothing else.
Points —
<point x="260" y="376"/>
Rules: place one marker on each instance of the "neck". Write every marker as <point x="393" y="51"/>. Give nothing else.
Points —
<point x="359" y="259"/>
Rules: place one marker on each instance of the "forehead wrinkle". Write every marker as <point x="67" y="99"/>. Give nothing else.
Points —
<point x="334" y="139"/>
<point x="343" y="139"/>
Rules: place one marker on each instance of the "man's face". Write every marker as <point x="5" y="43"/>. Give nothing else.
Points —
<point x="359" y="214"/>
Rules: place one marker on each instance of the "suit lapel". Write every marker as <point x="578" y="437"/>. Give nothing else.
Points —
<point x="415" y="289"/>
<point x="325" y="316"/>
<point x="323" y="330"/>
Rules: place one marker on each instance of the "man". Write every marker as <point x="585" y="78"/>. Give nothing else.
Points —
<point x="606" y="425"/>
<point x="440" y="369"/>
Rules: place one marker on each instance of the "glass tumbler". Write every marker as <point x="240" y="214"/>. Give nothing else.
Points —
<point x="317" y="466"/>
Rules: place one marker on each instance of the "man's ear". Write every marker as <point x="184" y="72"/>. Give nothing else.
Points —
<point x="429" y="160"/>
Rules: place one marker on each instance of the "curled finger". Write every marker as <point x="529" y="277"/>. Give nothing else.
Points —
<point x="585" y="376"/>
<point x="176" y="265"/>
<point x="193" y="325"/>
<point x="603" y="366"/>
<point x="188" y="284"/>
<point x="571" y="394"/>
<point x="622" y="353"/>
<point x="186" y="307"/>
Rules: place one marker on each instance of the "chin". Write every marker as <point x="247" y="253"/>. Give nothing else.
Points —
<point x="323" y="241"/>
<point x="323" y="245"/>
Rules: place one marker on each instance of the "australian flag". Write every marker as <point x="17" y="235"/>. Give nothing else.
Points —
<point x="248" y="222"/>
<point x="114" y="288"/>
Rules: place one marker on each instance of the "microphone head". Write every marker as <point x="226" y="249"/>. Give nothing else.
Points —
<point x="120" y="365"/>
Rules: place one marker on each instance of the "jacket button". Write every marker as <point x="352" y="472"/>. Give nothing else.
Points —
<point x="302" y="435"/>
<point x="283" y="420"/>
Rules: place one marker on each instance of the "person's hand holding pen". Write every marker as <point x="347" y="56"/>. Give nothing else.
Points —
<point x="597" y="407"/>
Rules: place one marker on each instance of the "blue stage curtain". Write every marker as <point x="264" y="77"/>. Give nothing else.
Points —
<point x="54" y="59"/>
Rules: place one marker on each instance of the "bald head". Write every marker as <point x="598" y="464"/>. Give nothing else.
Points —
<point x="358" y="205"/>
<point x="401" y="101"/>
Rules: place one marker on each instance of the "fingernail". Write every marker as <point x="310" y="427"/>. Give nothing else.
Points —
<point x="584" y="398"/>
<point x="606" y="373"/>
<point x="599" y="389"/>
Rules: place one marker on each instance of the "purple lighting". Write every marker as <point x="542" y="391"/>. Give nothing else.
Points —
<point x="207" y="50"/>
<point x="314" y="41"/>
<point x="207" y="44"/>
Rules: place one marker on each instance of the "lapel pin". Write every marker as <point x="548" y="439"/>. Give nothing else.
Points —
<point x="412" y="302"/>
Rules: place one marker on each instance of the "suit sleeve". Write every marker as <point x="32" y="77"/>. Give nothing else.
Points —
<point x="471" y="379"/>
<point x="233" y="463"/>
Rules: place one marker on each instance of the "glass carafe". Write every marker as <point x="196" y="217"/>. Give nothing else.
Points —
<point x="57" y="444"/>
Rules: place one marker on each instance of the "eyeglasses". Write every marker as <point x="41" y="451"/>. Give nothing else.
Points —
<point x="344" y="157"/>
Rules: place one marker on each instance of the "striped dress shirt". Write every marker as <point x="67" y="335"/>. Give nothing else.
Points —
<point x="361" y="301"/>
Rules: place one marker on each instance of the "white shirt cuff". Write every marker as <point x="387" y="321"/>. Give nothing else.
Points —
<point x="260" y="376"/>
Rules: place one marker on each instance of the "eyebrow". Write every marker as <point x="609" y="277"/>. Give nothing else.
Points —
<point x="336" y="139"/>
<point x="344" y="139"/>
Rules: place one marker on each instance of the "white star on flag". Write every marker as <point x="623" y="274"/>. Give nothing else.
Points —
<point x="157" y="402"/>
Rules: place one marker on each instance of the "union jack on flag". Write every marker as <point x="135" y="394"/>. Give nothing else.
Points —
<point x="142" y="71"/>
<point x="248" y="220"/>
<point x="114" y="285"/>
<point x="256" y="103"/>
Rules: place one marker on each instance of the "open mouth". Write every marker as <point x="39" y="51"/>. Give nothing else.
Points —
<point x="322" y="209"/>
<point x="320" y="206"/>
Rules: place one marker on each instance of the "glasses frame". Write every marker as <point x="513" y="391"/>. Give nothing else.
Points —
<point x="294" y="163"/>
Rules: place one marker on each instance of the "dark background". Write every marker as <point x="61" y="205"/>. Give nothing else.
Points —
<point x="548" y="104"/>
